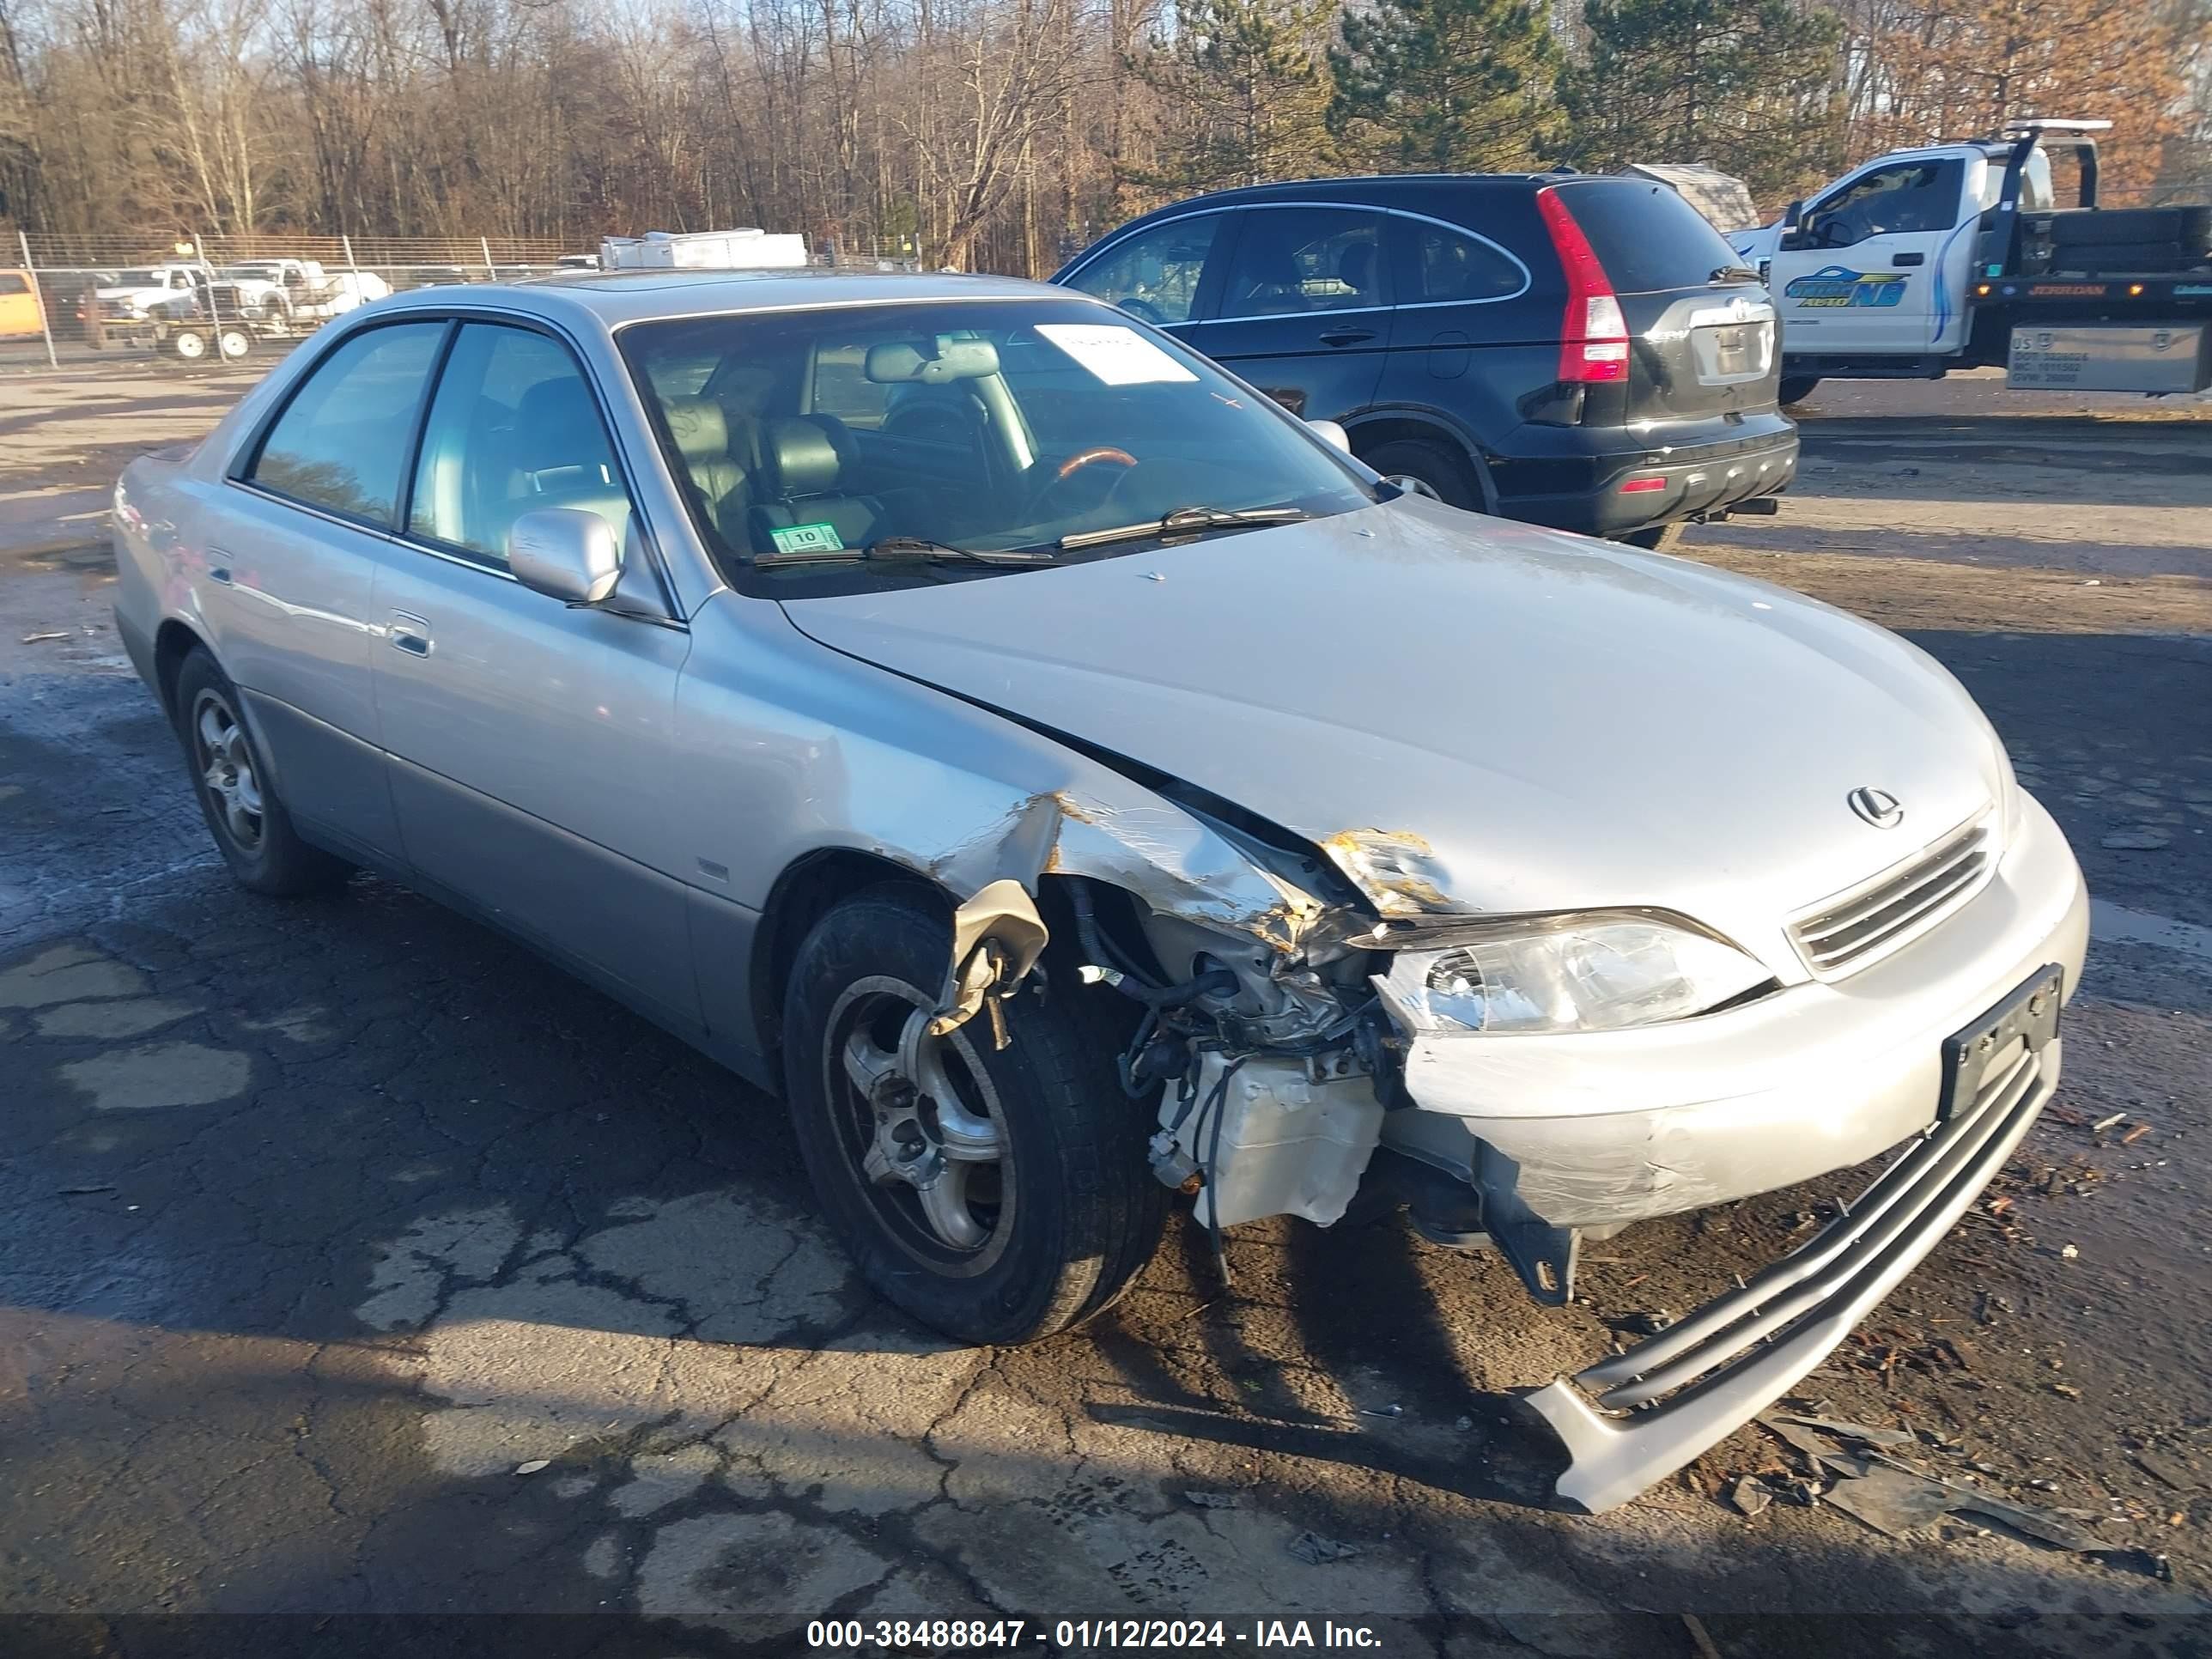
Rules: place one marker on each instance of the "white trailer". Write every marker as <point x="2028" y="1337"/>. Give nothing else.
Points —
<point x="750" y="249"/>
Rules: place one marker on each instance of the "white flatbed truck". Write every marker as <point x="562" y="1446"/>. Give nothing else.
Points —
<point x="1953" y="256"/>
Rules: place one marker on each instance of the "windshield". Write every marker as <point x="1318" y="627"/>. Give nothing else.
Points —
<point x="235" y="271"/>
<point x="978" y="426"/>
<point x="137" y="279"/>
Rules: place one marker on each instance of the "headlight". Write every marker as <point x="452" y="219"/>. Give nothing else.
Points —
<point x="1595" y="971"/>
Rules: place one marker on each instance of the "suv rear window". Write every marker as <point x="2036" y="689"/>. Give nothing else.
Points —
<point x="1645" y="235"/>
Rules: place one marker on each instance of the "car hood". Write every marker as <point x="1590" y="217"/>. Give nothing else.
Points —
<point x="1473" y="714"/>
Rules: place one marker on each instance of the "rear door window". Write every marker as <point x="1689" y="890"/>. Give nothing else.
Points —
<point x="1299" y="259"/>
<point x="1645" y="235"/>
<point x="1450" y="264"/>
<point x="342" y="441"/>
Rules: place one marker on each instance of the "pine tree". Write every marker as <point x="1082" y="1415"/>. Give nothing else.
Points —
<point x="1461" y="86"/>
<point x="1243" y="94"/>
<point x="1751" y="87"/>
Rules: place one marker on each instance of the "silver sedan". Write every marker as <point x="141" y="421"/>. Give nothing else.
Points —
<point x="1071" y="781"/>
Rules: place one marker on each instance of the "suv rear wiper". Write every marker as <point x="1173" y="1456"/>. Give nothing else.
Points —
<point x="1733" y="273"/>
<point x="1185" y="520"/>
<point x="893" y="550"/>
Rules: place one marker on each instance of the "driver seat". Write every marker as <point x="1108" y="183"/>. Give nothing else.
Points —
<point x="802" y="461"/>
<point x="705" y="437"/>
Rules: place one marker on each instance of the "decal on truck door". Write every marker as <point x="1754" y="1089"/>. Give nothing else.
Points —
<point x="1832" y="287"/>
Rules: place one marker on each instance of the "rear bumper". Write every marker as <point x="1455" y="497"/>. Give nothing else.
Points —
<point x="1693" y="479"/>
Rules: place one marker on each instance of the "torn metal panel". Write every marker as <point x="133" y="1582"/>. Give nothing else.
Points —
<point x="1396" y="868"/>
<point x="997" y="937"/>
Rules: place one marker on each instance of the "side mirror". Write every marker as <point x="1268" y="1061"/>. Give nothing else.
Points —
<point x="1333" y="433"/>
<point x="1793" y="227"/>
<point x="564" y="553"/>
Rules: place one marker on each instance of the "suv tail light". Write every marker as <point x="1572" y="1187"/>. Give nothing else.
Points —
<point x="1594" y="335"/>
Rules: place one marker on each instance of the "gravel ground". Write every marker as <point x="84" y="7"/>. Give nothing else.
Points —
<point x="359" y="1264"/>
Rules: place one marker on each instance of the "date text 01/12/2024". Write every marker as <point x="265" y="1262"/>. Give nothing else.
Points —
<point x="1083" y="1635"/>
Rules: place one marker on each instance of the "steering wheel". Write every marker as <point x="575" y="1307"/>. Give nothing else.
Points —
<point x="1145" y="310"/>
<point x="1073" y="466"/>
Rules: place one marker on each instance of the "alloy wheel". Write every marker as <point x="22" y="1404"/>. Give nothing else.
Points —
<point x="225" y="761"/>
<point x="917" y="1114"/>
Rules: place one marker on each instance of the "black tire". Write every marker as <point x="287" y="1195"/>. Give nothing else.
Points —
<point x="250" y="827"/>
<point x="190" y="346"/>
<point x="1071" y="1213"/>
<point x="233" y="341"/>
<point x="1655" y="537"/>
<point x="1796" y="388"/>
<point x="1443" y="469"/>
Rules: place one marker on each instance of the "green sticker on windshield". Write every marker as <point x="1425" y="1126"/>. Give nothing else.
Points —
<point x="807" y="538"/>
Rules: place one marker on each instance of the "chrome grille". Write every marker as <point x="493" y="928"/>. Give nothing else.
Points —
<point x="1867" y="922"/>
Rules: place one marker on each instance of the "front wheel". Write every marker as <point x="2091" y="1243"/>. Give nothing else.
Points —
<point x="1796" y="388"/>
<point x="233" y="341"/>
<point x="189" y="344"/>
<point x="998" y="1195"/>
<point x="1431" y="468"/>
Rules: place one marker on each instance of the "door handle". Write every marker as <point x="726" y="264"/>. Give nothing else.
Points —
<point x="1909" y="259"/>
<point x="409" y="633"/>
<point x="1345" y="336"/>
<point x="219" y="566"/>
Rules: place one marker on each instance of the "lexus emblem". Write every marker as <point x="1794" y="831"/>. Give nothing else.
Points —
<point x="1877" y="806"/>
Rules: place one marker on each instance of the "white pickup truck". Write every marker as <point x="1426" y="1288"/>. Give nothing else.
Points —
<point x="134" y="294"/>
<point x="1954" y="256"/>
<point x="287" y="290"/>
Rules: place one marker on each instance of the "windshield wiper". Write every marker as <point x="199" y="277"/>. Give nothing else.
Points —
<point x="895" y="550"/>
<point x="1733" y="273"/>
<point x="1185" y="520"/>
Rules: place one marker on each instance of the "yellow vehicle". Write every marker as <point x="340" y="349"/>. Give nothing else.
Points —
<point x="20" y="317"/>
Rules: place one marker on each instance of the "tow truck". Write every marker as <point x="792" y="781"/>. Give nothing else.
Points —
<point x="1954" y="256"/>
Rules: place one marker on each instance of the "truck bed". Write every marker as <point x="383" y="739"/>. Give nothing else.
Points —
<point x="2113" y="242"/>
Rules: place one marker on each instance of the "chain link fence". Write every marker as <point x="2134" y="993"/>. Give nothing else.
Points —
<point x="106" y="296"/>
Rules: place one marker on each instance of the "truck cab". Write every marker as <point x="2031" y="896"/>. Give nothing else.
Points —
<point x="1880" y="264"/>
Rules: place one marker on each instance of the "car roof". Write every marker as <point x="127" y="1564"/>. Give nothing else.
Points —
<point x="613" y="299"/>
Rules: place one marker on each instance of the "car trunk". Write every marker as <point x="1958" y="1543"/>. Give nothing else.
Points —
<point x="1699" y="349"/>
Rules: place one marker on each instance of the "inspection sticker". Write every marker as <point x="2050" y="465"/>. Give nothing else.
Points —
<point x="1118" y="356"/>
<point x="807" y="538"/>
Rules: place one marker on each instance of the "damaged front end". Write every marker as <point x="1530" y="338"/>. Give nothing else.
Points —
<point x="1322" y="1029"/>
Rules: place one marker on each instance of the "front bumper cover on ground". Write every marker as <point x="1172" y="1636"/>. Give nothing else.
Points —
<point x="1679" y="1392"/>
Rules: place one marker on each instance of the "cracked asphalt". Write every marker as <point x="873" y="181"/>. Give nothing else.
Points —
<point x="359" y="1266"/>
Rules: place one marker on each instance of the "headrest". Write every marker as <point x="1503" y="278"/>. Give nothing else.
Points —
<point x="557" y="415"/>
<point x="1357" y="265"/>
<point x="800" y="458"/>
<point x="900" y="362"/>
<point x="700" y="428"/>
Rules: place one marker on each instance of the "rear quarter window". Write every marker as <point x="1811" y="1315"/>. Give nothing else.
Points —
<point x="1645" y="235"/>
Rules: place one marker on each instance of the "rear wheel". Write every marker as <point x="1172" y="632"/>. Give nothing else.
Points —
<point x="998" y="1195"/>
<point x="1437" y="469"/>
<point x="233" y="340"/>
<point x="250" y="827"/>
<point x="1796" y="388"/>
